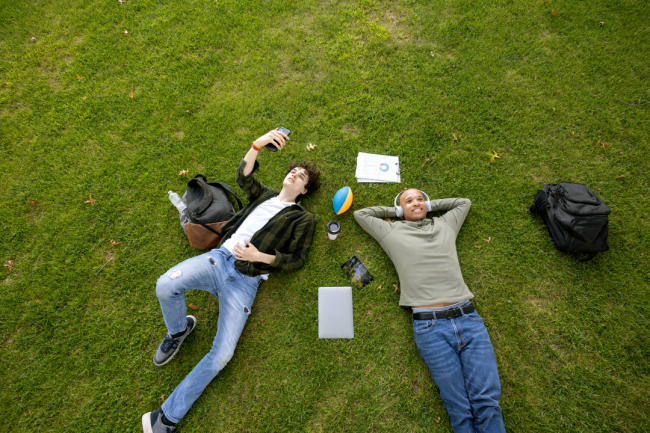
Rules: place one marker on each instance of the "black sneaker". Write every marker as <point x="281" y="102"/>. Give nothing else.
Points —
<point x="169" y="346"/>
<point x="152" y="423"/>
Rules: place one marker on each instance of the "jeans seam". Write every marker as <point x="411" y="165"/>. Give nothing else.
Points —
<point x="169" y="417"/>
<point x="459" y="332"/>
<point x="476" y="414"/>
<point x="246" y="282"/>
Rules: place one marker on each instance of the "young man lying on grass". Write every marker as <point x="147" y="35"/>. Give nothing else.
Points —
<point x="449" y="334"/>
<point x="271" y="233"/>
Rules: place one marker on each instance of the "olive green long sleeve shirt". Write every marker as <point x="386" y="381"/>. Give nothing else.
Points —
<point x="423" y="252"/>
<point x="287" y="235"/>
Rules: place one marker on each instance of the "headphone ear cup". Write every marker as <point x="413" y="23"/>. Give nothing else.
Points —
<point x="399" y="211"/>
<point x="428" y="206"/>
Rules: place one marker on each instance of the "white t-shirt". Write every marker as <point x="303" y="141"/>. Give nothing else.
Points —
<point x="254" y="222"/>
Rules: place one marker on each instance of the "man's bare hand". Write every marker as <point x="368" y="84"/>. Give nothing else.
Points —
<point x="270" y="138"/>
<point x="246" y="254"/>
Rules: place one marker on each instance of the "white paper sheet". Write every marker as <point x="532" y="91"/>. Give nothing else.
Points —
<point x="377" y="168"/>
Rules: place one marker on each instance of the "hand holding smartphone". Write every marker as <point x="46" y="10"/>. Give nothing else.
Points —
<point x="272" y="146"/>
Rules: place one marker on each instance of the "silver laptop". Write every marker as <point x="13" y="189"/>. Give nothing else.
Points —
<point x="335" y="312"/>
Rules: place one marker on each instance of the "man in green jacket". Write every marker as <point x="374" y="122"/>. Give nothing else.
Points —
<point x="449" y="334"/>
<point x="272" y="232"/>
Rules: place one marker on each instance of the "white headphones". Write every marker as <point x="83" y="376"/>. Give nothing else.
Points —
<point x="400" y="212"/>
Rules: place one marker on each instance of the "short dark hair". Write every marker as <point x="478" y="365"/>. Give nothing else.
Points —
<point x="399" y="202"/>
<point x="313" y="176"/>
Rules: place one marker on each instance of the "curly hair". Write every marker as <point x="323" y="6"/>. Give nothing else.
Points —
<point x="313" y="177"/>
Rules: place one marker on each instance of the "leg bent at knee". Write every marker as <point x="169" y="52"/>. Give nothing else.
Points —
<point x="167" y="286"/>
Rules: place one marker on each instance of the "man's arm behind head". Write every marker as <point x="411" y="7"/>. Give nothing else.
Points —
<point x="371" y="219"/>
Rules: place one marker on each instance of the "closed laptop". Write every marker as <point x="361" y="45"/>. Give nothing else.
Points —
<point x="335" y="319"/>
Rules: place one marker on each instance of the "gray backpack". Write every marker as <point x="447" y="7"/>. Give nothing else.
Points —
<point x="208" y="209"/>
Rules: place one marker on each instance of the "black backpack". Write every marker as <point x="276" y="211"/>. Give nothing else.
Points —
<point x="575" y="216"/>
<point x="208" y="209"/>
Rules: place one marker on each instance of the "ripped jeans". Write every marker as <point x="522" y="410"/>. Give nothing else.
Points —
<point x="213" y="272"/>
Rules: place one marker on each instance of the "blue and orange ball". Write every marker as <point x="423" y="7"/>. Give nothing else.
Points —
<point x="342" y="200"/>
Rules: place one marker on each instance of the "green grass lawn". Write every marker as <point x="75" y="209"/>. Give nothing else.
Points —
<point x="450" y="81"/>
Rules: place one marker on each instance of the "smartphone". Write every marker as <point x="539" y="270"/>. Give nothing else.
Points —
<point x="270" y="146"/>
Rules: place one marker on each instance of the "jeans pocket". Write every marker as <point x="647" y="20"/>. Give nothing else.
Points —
<point x="473" y="316"/>
<point x="423" y="326"/>
<point x="252" y="282"/>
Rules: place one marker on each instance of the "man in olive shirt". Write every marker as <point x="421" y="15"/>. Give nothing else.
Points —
<point x="449" y="334"/>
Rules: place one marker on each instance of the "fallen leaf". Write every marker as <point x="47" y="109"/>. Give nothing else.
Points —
<point x="622" y="175"/>
<point x="115" y="243"/>
<point x="311" y="146"/>
<point x="9" y="264"/>
<point x="33" y="202"/>
<point x="455" y="139"/>
<point x="602" y="23"/>
<point x="123" y="65"/>
<point x="535" y="79"/>
<point x="488" y="239"/>
<point x="131" y="94"/>
<point x="194" y="307"/>
<point x="432" y="54"/>
<point x="184" y="172"/>
<point x="32" y="39"/>
<point x="396" y="288"/>
<point x="493" y="155"/>
<point x="553" y="109"/>
<point x="379" y="286"/>
<point x="601" y="143"/>
<point x="126" y="33"/>
<point x="477" y="246"/>
<point x="425" y="161"/>
<point x="438" y="420"/>
<point x="162" y="396"/>
<point x="79" y="77"/>
<point x="573" y="133"/>
<point x="555" y="12"/>
<point x="91" y="201"/>
<point x="557" y="92"/>
<point x="188" y="111"/>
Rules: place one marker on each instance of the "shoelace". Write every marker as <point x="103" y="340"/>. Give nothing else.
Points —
<point x="168" y="343"/>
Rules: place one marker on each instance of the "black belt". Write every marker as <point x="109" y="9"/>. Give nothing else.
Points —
<point x="453" y="312"/>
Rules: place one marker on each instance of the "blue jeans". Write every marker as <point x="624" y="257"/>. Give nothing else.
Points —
<point x="460" y="357"/>
<point x="213" y="272"/>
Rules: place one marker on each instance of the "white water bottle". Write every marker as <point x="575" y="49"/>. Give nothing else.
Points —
<point x="176" y="201"/>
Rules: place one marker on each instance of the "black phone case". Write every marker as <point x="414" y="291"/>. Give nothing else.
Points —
<point x="271" y="147"/>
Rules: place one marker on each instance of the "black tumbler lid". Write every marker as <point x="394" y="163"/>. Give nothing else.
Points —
<point x="333" y="227"/>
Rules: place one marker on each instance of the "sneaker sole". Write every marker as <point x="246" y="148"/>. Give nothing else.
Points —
<point x="177" y="349"/>
<point x="146" y="423"/>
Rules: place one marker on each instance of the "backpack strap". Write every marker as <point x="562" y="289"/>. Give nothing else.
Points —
<point x="227" y="188"/>
<point x="208" y="228"/>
